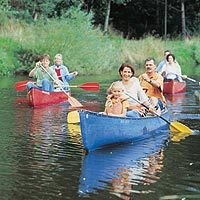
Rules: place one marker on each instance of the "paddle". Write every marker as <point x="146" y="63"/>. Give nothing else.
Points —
<point x="89" y="86"/>
<point x="174" y="126"/>
<point x="190" y="79"/>
<point x="21" y="85"/>
<point x="74" y="102"/>
<point x="73" y="117"/>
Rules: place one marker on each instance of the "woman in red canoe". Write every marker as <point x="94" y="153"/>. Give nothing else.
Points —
<point x="62" y="71"/>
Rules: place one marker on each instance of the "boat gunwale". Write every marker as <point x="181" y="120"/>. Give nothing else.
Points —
<point x="119" y="117"/>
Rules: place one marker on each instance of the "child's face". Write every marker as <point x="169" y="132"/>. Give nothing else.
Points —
<point x="117" y="92"/>
<point x="45" y="62"/>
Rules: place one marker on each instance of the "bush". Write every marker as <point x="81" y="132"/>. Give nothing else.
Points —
<point x="8" y="59"/>
<point x="84" y="47"/>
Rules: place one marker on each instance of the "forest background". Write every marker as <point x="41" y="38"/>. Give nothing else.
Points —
<point x="96" y="36"/>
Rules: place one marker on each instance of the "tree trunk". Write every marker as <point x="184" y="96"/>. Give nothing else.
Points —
<point x="157" y="17"/>
<point x="107" y="17"/>
<point x="183" y="20"/>
<point x="165" y="28"/>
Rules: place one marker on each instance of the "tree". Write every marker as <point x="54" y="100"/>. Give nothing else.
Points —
<point x="105" y="6"/>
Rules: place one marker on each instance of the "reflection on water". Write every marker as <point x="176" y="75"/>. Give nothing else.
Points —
<point x="122" y="169"/>
<point x="41" y="156"/>
<point x="176" y="102"/>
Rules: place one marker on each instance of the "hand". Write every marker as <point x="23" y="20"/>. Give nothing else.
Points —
<point x="38" y="64"/>
<point x="163" y="74"/>
<point x="75" y="73"/>
<point x="109" y="96"/>
<point x="184" y="76"/>
<point x="146" y="78"/>
<point x="59" y="83"/>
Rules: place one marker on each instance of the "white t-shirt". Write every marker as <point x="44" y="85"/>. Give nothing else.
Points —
<point x="172" y="69"/>
<point x="135" y="90"/>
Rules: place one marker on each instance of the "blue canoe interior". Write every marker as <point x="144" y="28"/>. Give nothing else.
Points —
<point x="99" y="130"/>
<point x="102" y="167"/>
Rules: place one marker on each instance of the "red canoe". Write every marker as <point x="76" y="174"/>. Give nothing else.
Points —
<point x="173" y="87"/>
<point x="37" y="97"/>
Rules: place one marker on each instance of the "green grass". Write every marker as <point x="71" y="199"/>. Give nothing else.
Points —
<point x="84" y="47"/>
<point x="8" y="59"/>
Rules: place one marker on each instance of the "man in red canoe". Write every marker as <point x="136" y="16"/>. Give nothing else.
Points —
<point x="45" y="76"/>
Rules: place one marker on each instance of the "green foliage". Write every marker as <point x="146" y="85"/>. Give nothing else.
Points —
<point x="30" y="11"/>
<point x="84" y="47"/>
<point x="8" y="60"/>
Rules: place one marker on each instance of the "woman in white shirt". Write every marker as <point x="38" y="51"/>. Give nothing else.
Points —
<point x="171" y="70"/>
<point x="133" y="88"/>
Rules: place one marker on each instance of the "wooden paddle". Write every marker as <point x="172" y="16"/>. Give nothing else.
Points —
<point x="174" y="126"/>
<point x="74" y="102"/>
<point x="88" y="86"/>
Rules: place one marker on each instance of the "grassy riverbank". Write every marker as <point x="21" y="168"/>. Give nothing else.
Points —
<point x="84" y="47"/>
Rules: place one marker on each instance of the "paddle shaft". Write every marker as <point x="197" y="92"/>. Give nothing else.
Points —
<point x="54" y="80"/>
<point x="88" y="86"/>
<point x="193" y="80"/>
<point x="72" y="99"/>
<point x="186" y="77"/>
<point x="173" y="125"/>
<point x="148" y="108"/>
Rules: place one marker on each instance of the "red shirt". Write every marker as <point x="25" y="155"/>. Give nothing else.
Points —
<point x="58" y="73"/>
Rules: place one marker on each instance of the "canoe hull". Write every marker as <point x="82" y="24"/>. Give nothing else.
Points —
<point x="98" y="130"/>
<point x="37" y="97"/>
<point x="173" y="87"/>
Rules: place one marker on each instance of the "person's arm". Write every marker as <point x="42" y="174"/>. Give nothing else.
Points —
<point x="108" y="104"/>
<point x="154" y="83"/>
<point x="160" y="66"/>
<point x="163" y="71"/>
<point x="125" y="106"/>
<point x="142" y="97"/>
<point x="69" y="76"/>
<point x="178" y="69"/>
<point x="32" y="72"/>
<point x="55" y="77"/>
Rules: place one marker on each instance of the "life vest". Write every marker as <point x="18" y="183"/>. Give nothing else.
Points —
<point x="116" y="106"/>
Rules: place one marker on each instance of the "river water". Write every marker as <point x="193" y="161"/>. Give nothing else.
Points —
<point x="42" y="157"/>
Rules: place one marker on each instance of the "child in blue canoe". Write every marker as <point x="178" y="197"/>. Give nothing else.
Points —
<point x="116" y="104"/>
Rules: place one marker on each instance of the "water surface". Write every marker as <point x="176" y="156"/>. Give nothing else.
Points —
<point x="41" y="156"/>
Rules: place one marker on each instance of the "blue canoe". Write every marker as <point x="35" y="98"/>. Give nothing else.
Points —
<point x="99" y="130"/>
<point x="136" y="161"/>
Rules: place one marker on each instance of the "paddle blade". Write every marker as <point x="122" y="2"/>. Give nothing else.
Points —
<point x="73" y="117"/>
<point x="90" y="86"/>
<point x="176" y="137"/>
<point x="179" y="127"/>
<point x="21" y="85"/>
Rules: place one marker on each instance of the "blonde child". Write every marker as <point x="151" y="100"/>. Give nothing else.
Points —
<point x="116" y="104"/>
